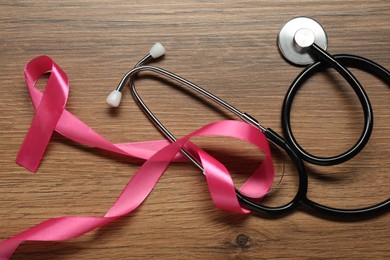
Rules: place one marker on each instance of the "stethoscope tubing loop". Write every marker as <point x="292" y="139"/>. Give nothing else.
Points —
<point x="336" y="62"/>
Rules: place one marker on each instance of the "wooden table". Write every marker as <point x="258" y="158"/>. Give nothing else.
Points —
<point x="229" y="48"/>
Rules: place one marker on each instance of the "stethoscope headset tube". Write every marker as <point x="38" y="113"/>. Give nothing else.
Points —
<point x="269" y="133"/>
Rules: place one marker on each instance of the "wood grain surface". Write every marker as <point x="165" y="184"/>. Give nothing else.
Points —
<point x="229" y="48"/>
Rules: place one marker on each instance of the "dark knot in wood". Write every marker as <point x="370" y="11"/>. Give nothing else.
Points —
<point x="242" y="240"/>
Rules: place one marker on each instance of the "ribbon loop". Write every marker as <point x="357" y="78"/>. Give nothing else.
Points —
<point x="49" y="111"/>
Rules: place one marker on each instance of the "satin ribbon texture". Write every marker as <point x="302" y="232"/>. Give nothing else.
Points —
<point x="51" y="116"/>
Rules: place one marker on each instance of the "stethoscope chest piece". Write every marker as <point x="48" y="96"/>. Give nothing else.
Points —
<point x="298" y="34"/>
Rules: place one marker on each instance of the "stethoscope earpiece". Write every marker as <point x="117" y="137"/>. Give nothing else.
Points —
<point x="297" y="35"/>
<point x="157" y="50"/>
<point x="114" y="98"/>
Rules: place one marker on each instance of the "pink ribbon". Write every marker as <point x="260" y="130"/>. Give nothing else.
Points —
<point x="51" y="116"/>
<point x="67" y="124"/>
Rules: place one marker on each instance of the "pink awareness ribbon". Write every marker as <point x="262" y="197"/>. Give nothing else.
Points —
<point x="67" y="124"/>
<point x="51" y="116"/>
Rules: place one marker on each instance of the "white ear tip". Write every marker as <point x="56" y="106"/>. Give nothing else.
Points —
<point x="157" y="50"/>
<point x="114" y="99"/>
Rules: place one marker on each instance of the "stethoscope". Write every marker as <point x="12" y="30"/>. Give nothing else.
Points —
<point x="302" y="41"/>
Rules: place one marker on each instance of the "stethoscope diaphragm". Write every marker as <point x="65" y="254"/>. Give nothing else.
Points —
<point x="296" y="35"/>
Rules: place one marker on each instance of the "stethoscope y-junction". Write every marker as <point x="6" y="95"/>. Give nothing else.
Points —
<point x="302" y="41"/>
